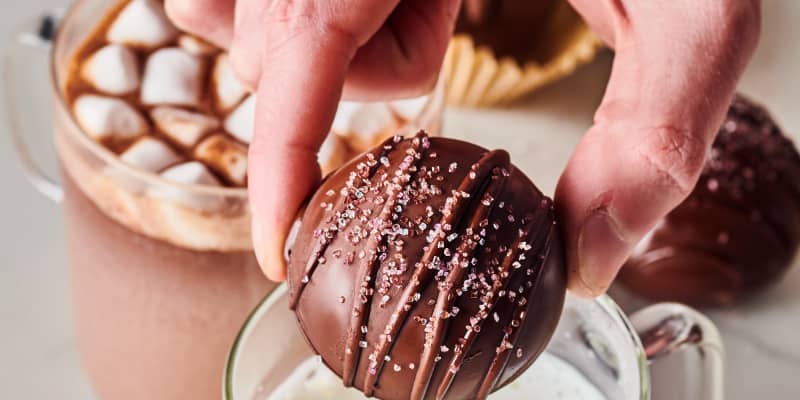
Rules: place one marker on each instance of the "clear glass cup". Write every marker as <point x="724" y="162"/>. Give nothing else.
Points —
<point x="162" y="274"/>
<point x="667" y="351"/>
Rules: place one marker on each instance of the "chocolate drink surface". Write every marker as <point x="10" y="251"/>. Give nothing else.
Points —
<point x="738" y="231"/>
<point x="428" y="268"/>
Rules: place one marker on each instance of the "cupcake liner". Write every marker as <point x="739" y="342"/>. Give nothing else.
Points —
<point x="477" y="78"/>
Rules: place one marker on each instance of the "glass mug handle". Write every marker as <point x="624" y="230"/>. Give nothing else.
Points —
<point x="685" y="352"/>
<point x="27" y="50"/>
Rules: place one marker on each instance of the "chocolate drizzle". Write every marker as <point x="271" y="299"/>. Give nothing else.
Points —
<point x="456" y="206"/>
<point x="511" y="334"/>
<point x="498" y="163"/>
<point x="327" y="238"/>
<point x="365" y="289"/>
<point x="465" y="251"/>
<point x="469" y="339"/>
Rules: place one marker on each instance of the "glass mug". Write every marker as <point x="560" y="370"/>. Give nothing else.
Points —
<point x="664" y="352"/>
<point x="162" y="274"/>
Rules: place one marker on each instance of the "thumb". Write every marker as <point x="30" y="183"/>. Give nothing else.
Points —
<point x="670" y="86"/>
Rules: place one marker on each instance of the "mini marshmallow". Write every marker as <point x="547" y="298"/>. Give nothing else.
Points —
<point x="332" y="154"/>
<point x="409" y="109"/>
<point x="241" y="122"/>
<point x="182" y="126"/>
<point x="149" y="154"/>
<point x="344" y="113"/>
<point x="192" y="172"/>
<point x="107" y="117"/>
<point x="364" y="124"/>
<point x="227" y="86"/>
<point x="225" y="156"/>
<point x="113" y="69"/>
<point x="142" y="23"/>
<point x="196" y="46"/>
<point x="172" y="76"/>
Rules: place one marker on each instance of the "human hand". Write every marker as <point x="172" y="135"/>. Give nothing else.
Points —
<point x="302" y="56"/>
<point x="675" y="71"/>
<point x="674" y="74"/>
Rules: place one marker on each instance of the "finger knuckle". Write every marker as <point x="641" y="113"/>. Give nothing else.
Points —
<point x="675" y="155"/>
<point x="290" y="12"/>
<point x="295" y="17"/>
<point x="307" y="20"/>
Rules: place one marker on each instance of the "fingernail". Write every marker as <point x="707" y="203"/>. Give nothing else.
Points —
<point x="290" y="239"/>
<point x="258" y="241"/>
<point x="601" y="251"/>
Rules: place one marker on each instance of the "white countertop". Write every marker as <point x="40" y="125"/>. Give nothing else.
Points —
<point x="38" y="359"/>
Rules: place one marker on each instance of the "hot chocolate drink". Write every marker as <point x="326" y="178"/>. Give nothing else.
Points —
<point x="160" y="98"/>
<point x="152" y="132"/>
<point x="550" y="378"/>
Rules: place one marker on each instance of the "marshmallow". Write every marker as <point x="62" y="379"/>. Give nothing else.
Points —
<point x="192" y="172"/>
<point x="107" y="117"/>
<point x="332" y="154"/>
<point x="344" y="113"/>
<point x="113" y="69"/>
<point x="225" y="156"/>
<point x="183" y="127"/>
<point x="364" y="124"/>
<point x="241" y="122"/>
<point x="172" y="76"/>
<point x="409" y="109"/>
<point x="149" y="154"/>
<point x="196" y="46"/>
<point x="227" y="86"/>
<point x="142" y="23"/>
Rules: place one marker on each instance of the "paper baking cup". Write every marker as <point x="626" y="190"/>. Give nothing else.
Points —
<point x="476" y="78"/>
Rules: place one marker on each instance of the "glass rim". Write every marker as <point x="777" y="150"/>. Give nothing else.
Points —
<point x="605" y="302"/>
<point x="146" y="177"/>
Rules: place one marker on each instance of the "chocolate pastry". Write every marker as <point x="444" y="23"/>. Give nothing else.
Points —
<point x="738" y="231"/>
<point x="512" y="28"/>
<point x="428" y="268"/>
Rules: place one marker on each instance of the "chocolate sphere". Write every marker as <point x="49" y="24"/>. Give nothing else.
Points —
<point x="739" y="229"/>
<point x="428" y="268"/>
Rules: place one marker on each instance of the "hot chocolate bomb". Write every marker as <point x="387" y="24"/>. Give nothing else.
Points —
<point x="738" y="231"/>
<point x="428" y="268"/>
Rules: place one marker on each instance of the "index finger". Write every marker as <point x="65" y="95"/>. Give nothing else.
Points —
<point x="308" y="49"/>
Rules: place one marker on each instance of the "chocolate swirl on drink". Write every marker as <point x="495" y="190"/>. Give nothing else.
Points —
<point x="738" y="231"/>
<point x="428" y="269"/>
